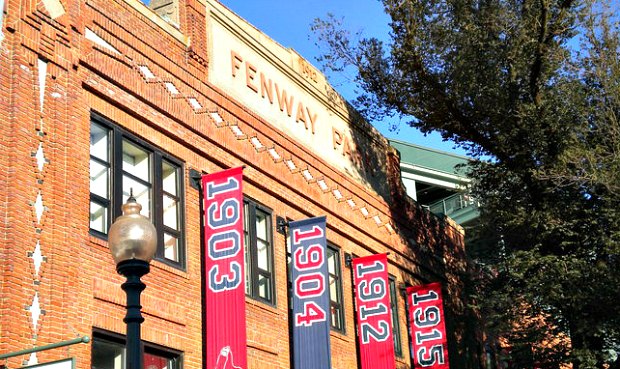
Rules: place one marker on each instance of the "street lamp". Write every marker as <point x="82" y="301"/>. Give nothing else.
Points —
<point x="133" y="241"/>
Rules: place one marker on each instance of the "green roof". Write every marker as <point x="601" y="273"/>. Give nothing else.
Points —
<point x="428" y="158"/>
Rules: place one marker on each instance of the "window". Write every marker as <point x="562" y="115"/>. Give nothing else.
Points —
<point x="259" y="278"/>
<point x="335" y="289"/>
<point x="120" y="164"/>
<point x="108" y="352"/>
<point x="398" y="348"/>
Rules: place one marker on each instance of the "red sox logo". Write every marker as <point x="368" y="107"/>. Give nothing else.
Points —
<point x="225" y="359"/>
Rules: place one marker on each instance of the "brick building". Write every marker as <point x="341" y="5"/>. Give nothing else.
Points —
<point x="99" y="96"/>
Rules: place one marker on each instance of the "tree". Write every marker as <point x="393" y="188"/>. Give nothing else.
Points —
<point x="535" y="85"/>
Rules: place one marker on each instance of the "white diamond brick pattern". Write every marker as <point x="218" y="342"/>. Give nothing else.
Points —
<point x="146" y="72"/>
<point x="194" y="103"/>
<point x="237" y="131"/>
<point x="377" y="220"/>
<point x="39" y="208"/>
<point x="217" y="118"/>
<point x="307" y="175"/>
<point x="35" y="312"/>
<point x="171" y="88"/>
<point x="257" y="144"/>
<point x="37" y="258"/>
<point x="291" y="165"/>
<point x="274" y="154"/>
<point x="323" y="185"/>
<point x="337" y="194"/>
<point x="40" y="157"/>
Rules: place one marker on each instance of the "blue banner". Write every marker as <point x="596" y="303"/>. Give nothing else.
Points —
<point x="311" y="348"/>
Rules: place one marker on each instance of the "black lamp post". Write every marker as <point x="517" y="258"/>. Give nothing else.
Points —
<point x="133" y="241"/>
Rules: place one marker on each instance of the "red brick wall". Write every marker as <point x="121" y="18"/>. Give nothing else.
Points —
<point x="77" y="285"/>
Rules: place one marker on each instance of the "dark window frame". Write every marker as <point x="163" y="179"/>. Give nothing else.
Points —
<point x="398" y="345"/>
<point x="251" y="208"/>
<point x="339" y="304"/>
<point x="116" y="136"/>
<point x="100" y="335"/>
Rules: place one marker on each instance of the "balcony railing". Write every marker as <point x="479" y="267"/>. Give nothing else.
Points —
<point x="460" y="207"/>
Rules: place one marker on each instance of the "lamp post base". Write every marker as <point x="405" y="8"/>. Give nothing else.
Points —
<point x="133" y="270"/>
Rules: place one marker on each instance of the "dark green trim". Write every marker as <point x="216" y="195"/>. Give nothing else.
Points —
<point x="84" y="339"/>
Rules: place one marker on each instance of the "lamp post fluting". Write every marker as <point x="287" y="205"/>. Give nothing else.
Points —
<point x="133" y="241"/>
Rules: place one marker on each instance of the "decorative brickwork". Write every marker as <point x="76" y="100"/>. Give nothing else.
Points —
<point x="196" y="26"/>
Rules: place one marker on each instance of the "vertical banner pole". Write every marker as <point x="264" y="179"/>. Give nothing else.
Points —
<point x="348" y="260"/>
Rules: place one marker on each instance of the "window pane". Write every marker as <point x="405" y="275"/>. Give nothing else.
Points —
<point x="335" y="295"/>
<point x="156" y="362"/>
<point x="99" y="146"/>
<point x="333" y="289"/>
<point x="331" y="262"/>
<point x="171" y="247"/>
<point x="171" y="216"/>
<point x="107" y="355"/>
<point x="258" y="252"/>
<point x="262" y="226"/>
<point x="111" y="354"/>
<point x="98" y="217"/>
<point x="264" y="287"/>
<point x="336" y="320"/>
<point x="246" y="248"/>
<point x="248" y="270"/>
<point x="141" y="192"/>
<point x="136" y="161"/>
<point x="99" y="175"/>
<point x="262" y="257"/>
<point x="169" y="180"/>
<point x="246" y="218"/>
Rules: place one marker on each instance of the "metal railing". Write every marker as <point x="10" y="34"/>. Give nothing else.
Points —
<point x="452" y="204"/>
<point x="84" y="339"/>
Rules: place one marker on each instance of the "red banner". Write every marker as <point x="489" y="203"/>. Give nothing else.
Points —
<point x="428" y="329"/>
<point x="374" y="316"/>
<point x="224" y="270"/>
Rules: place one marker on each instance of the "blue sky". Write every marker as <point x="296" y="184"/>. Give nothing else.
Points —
<point x="288" y="23"/>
